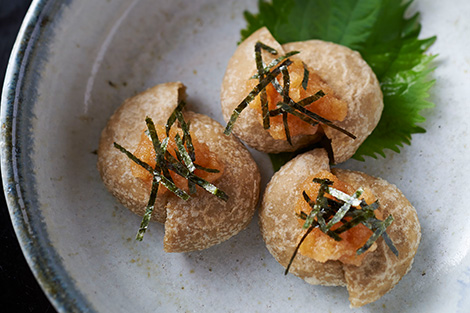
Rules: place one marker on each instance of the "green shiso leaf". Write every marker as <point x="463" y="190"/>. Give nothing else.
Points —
<point x="386" y="40"/>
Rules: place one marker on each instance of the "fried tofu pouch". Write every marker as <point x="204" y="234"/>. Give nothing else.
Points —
<point x="380" y="270"/>
<point x="343" y="69"/>
<point x="204" y="220"/>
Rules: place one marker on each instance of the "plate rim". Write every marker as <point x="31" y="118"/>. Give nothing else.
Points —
<point x="40" y="255"/>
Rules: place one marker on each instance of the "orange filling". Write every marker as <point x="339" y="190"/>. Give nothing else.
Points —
<point x="321" y="247"/>
<point x="204" y="158"/>
<point x="329" y="106"/>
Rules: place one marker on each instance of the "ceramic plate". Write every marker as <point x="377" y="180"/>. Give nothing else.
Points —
<point x="76" y="61"/>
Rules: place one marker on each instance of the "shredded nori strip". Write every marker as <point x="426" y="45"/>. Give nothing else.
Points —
<point x="263" y="95"/>
<point x="270" y="76"/>
<point x="306" y="76"/>
<point x="134" y="158"/>
<point x="304" y="102"/>
<point x="358" y="219"/>
<point x="285" y="108"/>
<point x="159" y="147"/>
<point x="183" y="165"/>
<point x="206" y="169"/>
<point x="180" y="169"/>
<point x="344" y="209"/>
<point x="379" y="230"/>
<point x="344" y="196"/>
<point x="296" y="250"/>
<point x="310" y="99"/>
<point x="286" y="80"/>
<point x="319" y="203"/>
<point x="389" y="243"/>
<point x="184" y="155"/>
<point x="275" y="62"/>
<point x="186" y="135"/>
<point x="310" y="218"/>
<point x="208" y="187"/>
<point x="311" y="114"/>
<point x="148" y="210"/>
<point x="325" y="143"/>
<point x="266" y="47"/>
<point x="327" y="211"/>
<point x="266" y="76"/>
<point x="160" y="178"/>
<point x="172" y="119"/>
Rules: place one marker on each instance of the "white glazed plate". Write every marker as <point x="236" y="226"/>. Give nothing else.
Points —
<point x="73" y="65"/>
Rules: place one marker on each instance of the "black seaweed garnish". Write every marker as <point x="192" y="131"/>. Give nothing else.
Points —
<point x="306" y="75"/>
<point x="275" y="62"/>
<point x="184" y="165"/>
<point x="270" y="76"/>
<point x="261" y="73"/>
<point x="327" y="211"/>
<point x="267" y="75"/>
<point x="286" y="80"/>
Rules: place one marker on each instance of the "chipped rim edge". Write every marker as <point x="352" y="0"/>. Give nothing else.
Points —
<point x="42" y="258"/>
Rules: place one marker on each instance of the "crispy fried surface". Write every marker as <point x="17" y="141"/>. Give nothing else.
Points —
<point x="380" y="270"/>
<point x="157" y="102"/>
<point x="280" y="227"/>
<point x="354" y="82"/>
<point x="341" y="68"/>
<point x="204" y="220"/>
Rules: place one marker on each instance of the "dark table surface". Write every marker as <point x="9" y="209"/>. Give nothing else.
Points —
<point x="19" y="290"/>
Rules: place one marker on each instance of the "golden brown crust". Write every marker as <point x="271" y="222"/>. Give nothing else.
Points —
<point x="157" y="102"/>
<point x="234" y="89"/>
<point x="354" y="82"/>
<point x="204" y="220"/>
<point x="343" y="69"/>
<point x="380" y="270"/>
<point x="280" y="227"/>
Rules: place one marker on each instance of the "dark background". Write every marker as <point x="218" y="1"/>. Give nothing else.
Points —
<point x="19" y="291"/>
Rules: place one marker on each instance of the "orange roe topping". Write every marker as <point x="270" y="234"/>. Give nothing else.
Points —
<point x="204" y="158"/>
<point x="321" y="247"/>
<point x="329" y="106"/>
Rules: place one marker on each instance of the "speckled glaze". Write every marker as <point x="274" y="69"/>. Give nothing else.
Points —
<point x="75" y="62"/>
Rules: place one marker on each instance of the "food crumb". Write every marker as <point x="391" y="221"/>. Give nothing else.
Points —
<point x="112" y="84"/>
